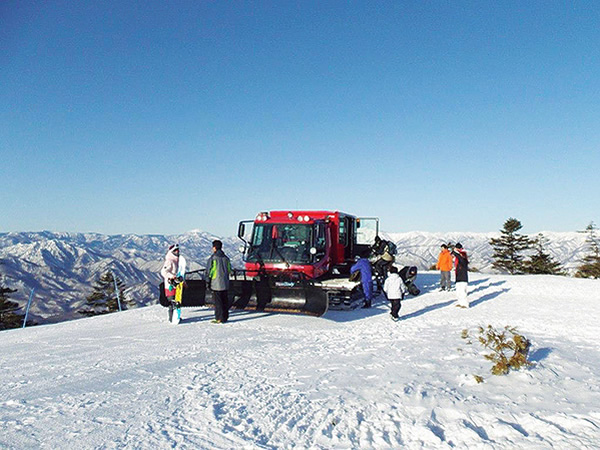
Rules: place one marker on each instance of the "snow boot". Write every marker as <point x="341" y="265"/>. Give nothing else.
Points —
<point x="176" y="316"/>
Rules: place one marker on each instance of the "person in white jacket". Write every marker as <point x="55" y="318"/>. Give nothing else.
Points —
<point x="394" y="289"/>
<point x="169" y="274"/>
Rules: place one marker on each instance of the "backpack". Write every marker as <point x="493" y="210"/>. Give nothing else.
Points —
<point x="392" y="249"/>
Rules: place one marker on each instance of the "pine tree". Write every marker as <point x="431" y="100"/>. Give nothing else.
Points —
<point x="541" y="262"/>
<point x="104" y="300"/>
<point x="8" y="317"/>
<point x="590" y="267"/>
<point x="509" y="246"/>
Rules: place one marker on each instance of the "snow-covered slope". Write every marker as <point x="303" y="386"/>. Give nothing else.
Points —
<point x="63" y="267"/>
<point x="347" y="380"/>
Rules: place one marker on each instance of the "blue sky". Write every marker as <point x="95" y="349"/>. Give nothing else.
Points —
<point x="163" y="117"/>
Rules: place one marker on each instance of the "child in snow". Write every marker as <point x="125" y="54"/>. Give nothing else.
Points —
<point x="462" y="275"/>
<point x="394" y="289"/>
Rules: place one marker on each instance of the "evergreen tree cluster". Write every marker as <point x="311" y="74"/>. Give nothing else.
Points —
<point x="541" y="262"/>
<point x="103" y="299"/>
<point x="8" y="315"/>
<point x="590" y="266"/>
<point x="510" y="247"/>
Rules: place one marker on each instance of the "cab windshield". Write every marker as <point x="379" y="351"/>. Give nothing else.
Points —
<point x="285" y="243"/>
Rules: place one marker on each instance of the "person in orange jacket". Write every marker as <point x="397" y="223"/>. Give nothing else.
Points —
<point x="444" y="265"/>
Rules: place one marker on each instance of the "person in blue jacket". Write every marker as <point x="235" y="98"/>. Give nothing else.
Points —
<point x="366" y="277"/>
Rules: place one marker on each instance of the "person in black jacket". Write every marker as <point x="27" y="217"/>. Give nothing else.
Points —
<point x="461" y="262"/>
<point x="383" y="252"/>
<point x="218" y="268"/>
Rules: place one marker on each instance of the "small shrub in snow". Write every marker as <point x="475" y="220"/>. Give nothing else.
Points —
<point x="465" y="335"/>
<point x="509" y="348"/>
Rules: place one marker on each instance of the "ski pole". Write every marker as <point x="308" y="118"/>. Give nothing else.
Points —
<point x="28" y="305"/>
<point x="116" y="289"/>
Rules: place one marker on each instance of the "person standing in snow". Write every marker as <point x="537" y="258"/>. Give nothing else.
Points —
<point x="444" y="265"/>
<point x="366" y="277"/>
<point x="169" y="274"/>
<point x="462" y="275"/>
<point x="218" y="268"/>
<point x="394" y="289"/>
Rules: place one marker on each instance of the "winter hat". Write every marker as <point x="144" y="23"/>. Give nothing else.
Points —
<point x="444" y="246"/>
<point x="173" y="247"/>
<point x="458" y="245"/>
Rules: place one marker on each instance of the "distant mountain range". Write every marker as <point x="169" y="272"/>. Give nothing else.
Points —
<point x="62" y="267"/>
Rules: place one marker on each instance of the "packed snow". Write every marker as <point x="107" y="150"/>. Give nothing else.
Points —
<point x="350" y="379"/>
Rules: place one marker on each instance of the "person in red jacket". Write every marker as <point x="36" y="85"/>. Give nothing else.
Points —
<point x="444" y="265"/>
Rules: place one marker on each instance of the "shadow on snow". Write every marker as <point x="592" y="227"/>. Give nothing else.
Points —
<point x="427" y="283"/>
<point x="487" y="297"/>
<point x="540" y="354"/>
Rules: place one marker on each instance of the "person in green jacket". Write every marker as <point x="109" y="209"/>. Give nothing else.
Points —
<point x="218" y="268"/>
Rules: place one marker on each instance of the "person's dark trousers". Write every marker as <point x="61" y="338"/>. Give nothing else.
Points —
<point x="221" y="305"/>
<point x="171" y="300"/>
<point x="395" y="307"/>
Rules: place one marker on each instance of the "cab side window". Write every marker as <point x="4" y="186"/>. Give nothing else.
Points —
<point x="344" y="231"/>
<point x="320" y="242"/>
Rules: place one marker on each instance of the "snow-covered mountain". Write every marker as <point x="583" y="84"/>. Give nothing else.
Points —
<point x="422" y="248"/>
<point x="62" y="267"/>
<point x="347" y="380"/>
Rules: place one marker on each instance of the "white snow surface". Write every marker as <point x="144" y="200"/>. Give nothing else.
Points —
<point x="350" y="379"/>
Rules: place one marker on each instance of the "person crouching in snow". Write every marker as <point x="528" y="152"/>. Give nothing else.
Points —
<point x="394" y="289"/>
<point x="169" y="274"/>
<point x="366" y="277"/>
<point x="462" y="275"/>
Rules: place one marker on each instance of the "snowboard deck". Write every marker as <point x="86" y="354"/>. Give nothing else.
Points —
<point x="192" y="295"/>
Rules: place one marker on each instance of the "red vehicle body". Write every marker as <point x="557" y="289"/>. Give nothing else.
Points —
<point x="297" y="256"/>
<point x="308" y="242"/>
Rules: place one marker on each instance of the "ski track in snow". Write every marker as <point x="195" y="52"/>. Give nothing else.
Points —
<point x="348" y="380"/>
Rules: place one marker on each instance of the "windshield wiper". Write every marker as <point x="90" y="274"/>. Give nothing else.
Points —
<point x="276" y="248"/>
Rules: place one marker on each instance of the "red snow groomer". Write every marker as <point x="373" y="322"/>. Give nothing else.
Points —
<point x="300" y="261"/>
